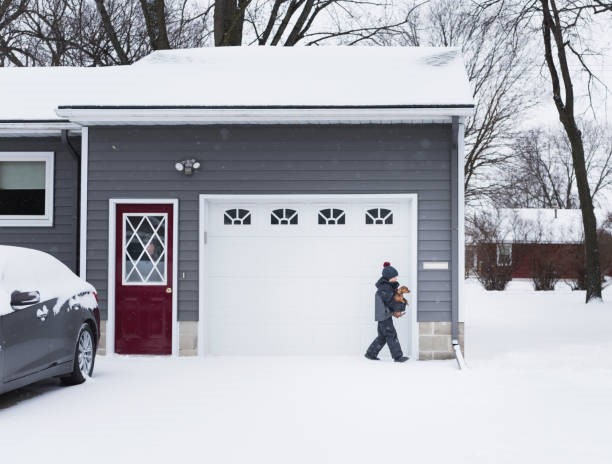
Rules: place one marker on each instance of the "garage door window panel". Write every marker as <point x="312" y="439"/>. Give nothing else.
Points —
<point x="237" y="216"/>
<point x="332" y="216"/>
<point x="284" y="216"/>
<point x="144" y="249"/>
<point x="379" y="216"/>
<point x="26" y="189"/>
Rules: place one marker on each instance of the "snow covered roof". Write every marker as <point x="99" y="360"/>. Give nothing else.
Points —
<point x="267" y="77"/>
<point x="539" y="225"/>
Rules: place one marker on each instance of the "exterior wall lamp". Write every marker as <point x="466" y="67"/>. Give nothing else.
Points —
<point x="187" y="166"/>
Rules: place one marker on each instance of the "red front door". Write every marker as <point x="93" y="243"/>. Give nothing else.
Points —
<point x="143" y="279"/>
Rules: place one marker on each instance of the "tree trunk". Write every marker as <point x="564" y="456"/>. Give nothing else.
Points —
<point x="228" y="22"/>
<point x="552" y="30"/>
<point x="591" y="246"/>
<point x="110" y="31"/>
<point x="154" y="12"/>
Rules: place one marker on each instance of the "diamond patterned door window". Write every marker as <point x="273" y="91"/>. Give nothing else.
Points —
<point x="284" y="216"/>
<point x="237" y="217"/>
<point x="331" y="216"/>
<point x="379" y="216"/>
<point x="144" y="249"/>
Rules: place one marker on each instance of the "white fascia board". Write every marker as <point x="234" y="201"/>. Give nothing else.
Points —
<point x="36" y="129"/>
<point x="147" y="116"/>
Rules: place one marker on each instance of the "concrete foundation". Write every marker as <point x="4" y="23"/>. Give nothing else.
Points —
<point x="435" y="340"/>
<point x="102" y="342"/>
<point x="188" y="338"/>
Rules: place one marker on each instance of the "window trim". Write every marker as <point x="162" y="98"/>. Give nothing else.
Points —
<point x="126" y="283"/>
<point x="44" y="220"/>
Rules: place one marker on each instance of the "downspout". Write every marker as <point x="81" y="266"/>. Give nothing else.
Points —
<point x="455" y="271"/>
<point x="76" y="223"/>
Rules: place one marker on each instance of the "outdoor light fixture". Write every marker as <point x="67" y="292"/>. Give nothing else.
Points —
<point x="187" y="166"/>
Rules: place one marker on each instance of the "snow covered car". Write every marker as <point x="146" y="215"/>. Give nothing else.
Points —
<point x="49" y="320"/>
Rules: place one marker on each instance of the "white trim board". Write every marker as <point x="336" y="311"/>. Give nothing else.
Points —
<point x="44" y="220"/>
<point x="205" y="199"/>
<point x="83" y="211"/>
<point x="461" y="219"/>
<point x="110" y="319"/>
<point x="169" y="116"/>
<point x="37" y="128"/>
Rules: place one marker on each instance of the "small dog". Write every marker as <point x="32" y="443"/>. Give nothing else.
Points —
<point x="399" y="294"/>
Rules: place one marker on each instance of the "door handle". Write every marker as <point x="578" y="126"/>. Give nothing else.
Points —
<point x="169" y="290"/>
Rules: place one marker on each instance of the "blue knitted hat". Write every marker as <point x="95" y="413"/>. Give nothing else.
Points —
<point x="389" y="271"/>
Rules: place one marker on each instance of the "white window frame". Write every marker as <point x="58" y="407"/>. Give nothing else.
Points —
<point x="507" y="246"/>
<point x="44" y="220"/>
<point x="150" y="283"/>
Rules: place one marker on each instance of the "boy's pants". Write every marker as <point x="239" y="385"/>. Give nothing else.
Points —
<point x="388" y="335"/>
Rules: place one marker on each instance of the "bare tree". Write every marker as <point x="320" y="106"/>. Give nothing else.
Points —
<point x="487" y="239"/>
<point x="107" y="32"/>
<point x="10" y="46"/>
<point x="540" y="173"/>
<point x="561" y="29"/>
<point x="556" y="38"/>
<point x="498" y="66"/>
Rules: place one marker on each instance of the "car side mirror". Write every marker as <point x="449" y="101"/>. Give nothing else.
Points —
<point x="20" y="300"/>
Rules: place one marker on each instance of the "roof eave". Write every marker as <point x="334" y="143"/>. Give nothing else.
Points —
<point x="36" y="127"/>
<point x="140" y="115"/>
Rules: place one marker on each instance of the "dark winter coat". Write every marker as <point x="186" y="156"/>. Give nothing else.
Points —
<point x="385" y="305"/>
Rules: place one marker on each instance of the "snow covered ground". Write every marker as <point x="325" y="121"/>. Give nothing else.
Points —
<point x="539" y="390"/>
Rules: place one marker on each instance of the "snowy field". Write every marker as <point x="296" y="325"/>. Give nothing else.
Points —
<point x="539" y="390"/>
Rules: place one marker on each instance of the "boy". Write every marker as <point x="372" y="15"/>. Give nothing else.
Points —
<point x="385" y="307"/>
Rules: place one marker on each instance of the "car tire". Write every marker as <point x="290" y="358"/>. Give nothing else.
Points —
<point x="84" y="357"/>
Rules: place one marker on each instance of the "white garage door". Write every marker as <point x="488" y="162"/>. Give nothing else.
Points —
<point x="294" y="275"/>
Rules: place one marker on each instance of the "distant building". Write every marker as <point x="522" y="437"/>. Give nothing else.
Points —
<point x="526" y="237"/>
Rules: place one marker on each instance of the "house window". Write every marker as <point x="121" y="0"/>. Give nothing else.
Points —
<point x="26" y="189"/>
<point x="284" y="216"/>
<point x="504" y="254"/>
<point x="144" y="249"/>
<point x="237" y="217"/>
<point x="379" y="216"/>
<point x="331" y="216"/>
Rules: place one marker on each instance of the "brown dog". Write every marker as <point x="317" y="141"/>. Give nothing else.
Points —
<point x="399" y="294"/>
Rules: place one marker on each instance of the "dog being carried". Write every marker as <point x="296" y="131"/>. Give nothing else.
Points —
<point x="399" y="294"/>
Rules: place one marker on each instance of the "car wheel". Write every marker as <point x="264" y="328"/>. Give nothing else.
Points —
<point x="84" y="357"/>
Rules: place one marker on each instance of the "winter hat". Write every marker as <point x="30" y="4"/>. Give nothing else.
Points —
<point x="389" y="271"/>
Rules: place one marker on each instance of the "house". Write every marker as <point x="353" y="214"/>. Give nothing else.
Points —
<point x="239" y="201"/>
<point x="526" y="238"/>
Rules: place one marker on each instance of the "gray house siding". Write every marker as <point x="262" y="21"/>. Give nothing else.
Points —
<point x="60" y="239"/>
<point x="138" y="162"/>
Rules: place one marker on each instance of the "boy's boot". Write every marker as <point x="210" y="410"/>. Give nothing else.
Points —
<point x="401" y="359"/>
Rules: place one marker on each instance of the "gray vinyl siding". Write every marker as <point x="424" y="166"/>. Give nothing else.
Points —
<point x="60" y="239"/>
<point x="138" y="162"/>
